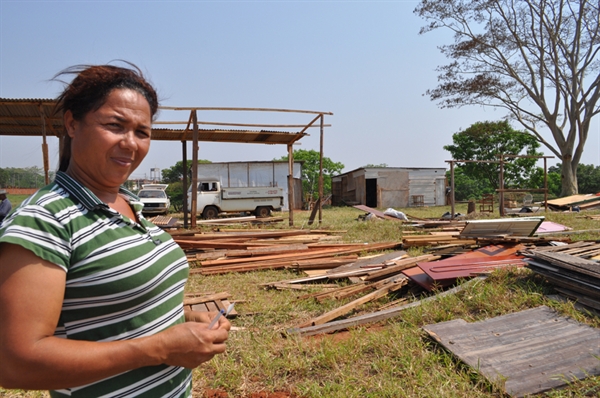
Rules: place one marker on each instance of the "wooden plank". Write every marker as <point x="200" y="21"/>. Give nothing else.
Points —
<point x="398" y="266"/>
<point x="199" y="307"/>
<point x="370" y="260"/>
<point x="344" y="309"/>
<point x="528" y="352"/>
<point x="206" y="298"/>
<point x="276" y="249"/>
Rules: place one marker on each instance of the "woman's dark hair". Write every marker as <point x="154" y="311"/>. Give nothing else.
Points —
<point x="89" y="90"/>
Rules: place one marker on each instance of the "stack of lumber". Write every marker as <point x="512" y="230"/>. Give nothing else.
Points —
<point x="583" y="249"/>
<point x="313" y="257"/>
<point x="573" y="276"/>
<point x="244" y="251"/>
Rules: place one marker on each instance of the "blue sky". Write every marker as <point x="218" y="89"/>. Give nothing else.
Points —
<point x="362" y="60"/>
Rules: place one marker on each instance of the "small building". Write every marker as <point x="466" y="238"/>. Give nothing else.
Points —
<point x="385" y="187"/>
<point x="256" y="174"/>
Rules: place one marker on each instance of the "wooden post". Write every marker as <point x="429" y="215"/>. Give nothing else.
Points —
<point x="321" y="175"/>
<point x="452" y="188"/>
<point x="501" y="183"/>
<point x="290" y="184"/>
<point x="545" y="185"/>
<point x="194" y="210"/>
<point x="45" y="149"/>
<point x="185" y="183"/>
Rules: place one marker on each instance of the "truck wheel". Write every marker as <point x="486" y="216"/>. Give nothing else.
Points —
<point x="210" y="212"/>
<point x="262" y="212"/>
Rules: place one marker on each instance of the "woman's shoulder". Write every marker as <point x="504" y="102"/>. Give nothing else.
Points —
<point x="51" y="197"/>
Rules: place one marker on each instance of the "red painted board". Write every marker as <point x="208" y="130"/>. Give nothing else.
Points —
<point x="417" y="275"/>
<point x="467" y="264"/>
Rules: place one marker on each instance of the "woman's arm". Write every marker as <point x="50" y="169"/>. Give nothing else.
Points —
<point x="31" y="294"/>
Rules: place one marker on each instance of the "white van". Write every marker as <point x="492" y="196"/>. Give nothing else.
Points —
<point x="154" y="198"/>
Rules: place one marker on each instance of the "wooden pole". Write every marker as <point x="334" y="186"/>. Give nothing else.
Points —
<point x="194" y="209"/>
<point x="501" y="183"/>
<point x="45" y="149"/>
<point x="545" y="185"/>
<point x="321" y="175"/>
<point x="290" y="184"/>
<point x="185" y="183"/>
<point x="452" y="188"/>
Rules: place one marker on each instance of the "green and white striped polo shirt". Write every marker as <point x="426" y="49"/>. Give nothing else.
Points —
<point x="124" y="280"/>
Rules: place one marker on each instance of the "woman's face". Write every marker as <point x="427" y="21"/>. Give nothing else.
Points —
<point x="111" y="142"/>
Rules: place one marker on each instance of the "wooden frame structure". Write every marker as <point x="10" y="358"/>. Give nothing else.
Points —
<point x="35" y="117"/>
<point x="501" y="190"/>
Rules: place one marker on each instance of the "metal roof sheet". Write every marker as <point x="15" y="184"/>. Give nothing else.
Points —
<point x="23" y="117"/>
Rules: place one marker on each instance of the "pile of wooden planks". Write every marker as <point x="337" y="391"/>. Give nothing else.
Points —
<point x="574" y="277"/>
<point x="252" y="250"/>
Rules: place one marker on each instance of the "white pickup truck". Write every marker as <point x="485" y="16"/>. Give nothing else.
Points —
<point x="214" y="199"/>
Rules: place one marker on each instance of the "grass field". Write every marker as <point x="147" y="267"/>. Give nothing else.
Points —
<point x="393" y="358"/>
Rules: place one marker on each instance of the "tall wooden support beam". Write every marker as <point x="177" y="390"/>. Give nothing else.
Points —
<point x="45" y="149"/>
<point x="546" y="184"/>
<point x="291" y="184"/>
<point x="452" y="188"/>
<point x="185" y="183"/>
<point x="321" y="174"/>
<point x="194" y="191"/>
<point x="501" y="184"/>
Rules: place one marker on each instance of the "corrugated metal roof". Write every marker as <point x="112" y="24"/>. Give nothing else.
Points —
<point x="23" y="117"/>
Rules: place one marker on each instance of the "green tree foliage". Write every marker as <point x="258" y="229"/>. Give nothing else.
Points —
<point x="175" y="192"/>
<point x="539" y="60"/>
<point x="310" y="171"/>
<point x="553" y="178"/>
<point x="174" y="173"/>
<point x="588" y="177"/>
<point x="467" y="187"/>
<point x="28" y="177"/>
<point x="488" y="140"/>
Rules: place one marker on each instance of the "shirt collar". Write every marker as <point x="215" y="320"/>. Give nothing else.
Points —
<point x="84" y="195"/>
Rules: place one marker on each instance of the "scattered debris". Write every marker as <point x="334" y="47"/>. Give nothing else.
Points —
<point x="395" y="213"/>
<point x="374" y="316"/>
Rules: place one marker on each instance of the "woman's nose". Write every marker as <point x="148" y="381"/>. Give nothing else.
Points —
<point x="129" y="140"/>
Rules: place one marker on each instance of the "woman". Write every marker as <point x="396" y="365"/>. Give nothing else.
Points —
<point x="91" y="292"/>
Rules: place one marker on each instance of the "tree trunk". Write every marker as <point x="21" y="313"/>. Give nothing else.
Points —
<point x="568" y="178"/>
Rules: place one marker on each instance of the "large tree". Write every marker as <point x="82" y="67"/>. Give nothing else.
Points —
<point x="310" y="171"/>
<point x="486" y="141"/>
<point x="538" y="59"/>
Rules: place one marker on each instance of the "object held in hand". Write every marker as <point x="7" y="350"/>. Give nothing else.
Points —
<point x="221" y="312"/>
